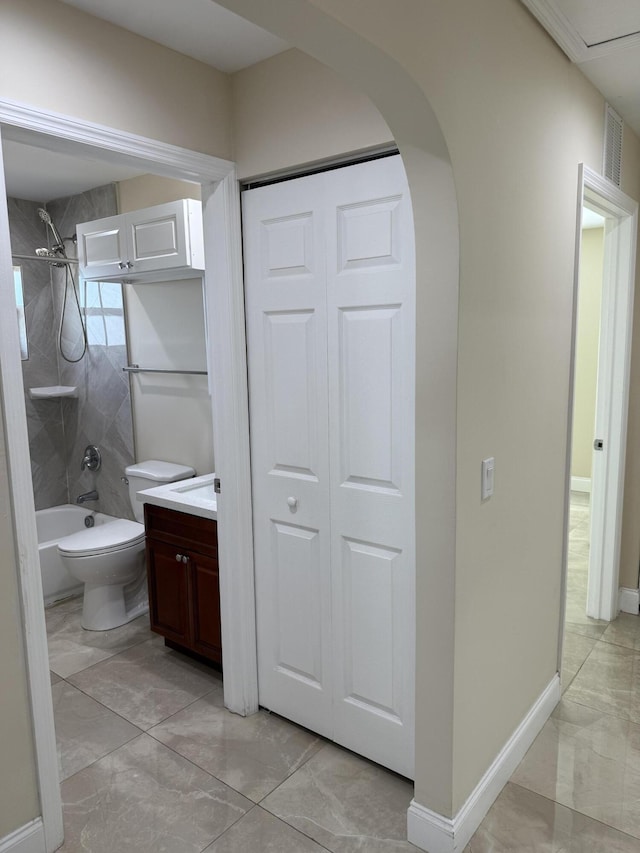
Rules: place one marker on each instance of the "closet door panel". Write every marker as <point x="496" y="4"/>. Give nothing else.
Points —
<point x="371" y="316"/>
<point x="285" y="296"/>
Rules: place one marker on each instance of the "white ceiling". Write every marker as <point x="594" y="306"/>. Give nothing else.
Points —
<point x="603" y="38"/>
<point x="197" y="28"/>
<point x="36" y="174"/>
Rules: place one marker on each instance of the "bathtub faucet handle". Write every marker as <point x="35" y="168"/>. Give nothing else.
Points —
<point x="92" y="458"/>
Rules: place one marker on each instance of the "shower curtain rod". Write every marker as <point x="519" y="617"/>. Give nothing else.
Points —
<point x="45" y="258"/>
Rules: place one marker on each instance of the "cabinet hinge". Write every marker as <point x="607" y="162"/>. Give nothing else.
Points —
<point x="216" y="485"/>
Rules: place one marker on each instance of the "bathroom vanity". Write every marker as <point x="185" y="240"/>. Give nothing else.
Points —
<point x="182" y="570"/>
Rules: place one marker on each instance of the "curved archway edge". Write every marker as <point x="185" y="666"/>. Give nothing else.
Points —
<point x="405" y="108"/>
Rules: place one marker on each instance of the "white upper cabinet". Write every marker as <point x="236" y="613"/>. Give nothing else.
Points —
<point x="161" y="242"/>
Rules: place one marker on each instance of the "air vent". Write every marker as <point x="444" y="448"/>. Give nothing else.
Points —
<point x="612" y="146"/>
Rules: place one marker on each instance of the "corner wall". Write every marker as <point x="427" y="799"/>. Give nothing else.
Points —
<point x="515" y="141"/>
<point x="18" y="786"/>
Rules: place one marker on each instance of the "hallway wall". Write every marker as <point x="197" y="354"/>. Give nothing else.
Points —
<point x="587" y="340"/>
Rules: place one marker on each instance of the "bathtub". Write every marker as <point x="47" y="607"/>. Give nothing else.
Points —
<point x="52" y="525"/>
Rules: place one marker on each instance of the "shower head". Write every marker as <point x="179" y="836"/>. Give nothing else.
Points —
<point x="46" y="218"/>
<point x="52" y="255"/>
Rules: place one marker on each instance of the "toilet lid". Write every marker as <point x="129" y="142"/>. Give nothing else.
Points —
<point x="112" y="536"/>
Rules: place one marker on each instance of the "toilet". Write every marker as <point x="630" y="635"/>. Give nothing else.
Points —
<point x="109" y="558"/>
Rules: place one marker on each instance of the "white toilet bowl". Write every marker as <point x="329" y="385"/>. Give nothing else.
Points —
<point x="109" y="558"/>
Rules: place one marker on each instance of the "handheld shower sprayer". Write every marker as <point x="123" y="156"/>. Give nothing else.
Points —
<point x="46" y="218"/>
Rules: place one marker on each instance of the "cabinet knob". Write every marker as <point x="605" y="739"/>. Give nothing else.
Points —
<point x="129" y="265"/>
<point x="185" y="559"/>
<point x="293" y="503"/>
<point x="122" y="265"/>
<point x="179" y="558"/>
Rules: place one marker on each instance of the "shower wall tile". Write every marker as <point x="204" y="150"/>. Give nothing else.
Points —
<point x="44" y="417"/>
<point x="59" y="430"/>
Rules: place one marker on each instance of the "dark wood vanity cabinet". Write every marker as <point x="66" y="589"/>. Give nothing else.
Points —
<point x="182" y="571"/>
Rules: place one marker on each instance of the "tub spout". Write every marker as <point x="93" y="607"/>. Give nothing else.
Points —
<point x="87" y="496"/>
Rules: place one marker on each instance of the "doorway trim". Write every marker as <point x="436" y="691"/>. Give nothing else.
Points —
<point x="614" y="360"/>
<point x="226" y="354"/>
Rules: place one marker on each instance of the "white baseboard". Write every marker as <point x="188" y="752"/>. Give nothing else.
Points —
<point x="629" y="600"/>
<point x="431" y="831"/>
<point x="27" y="839"/>
<point x="581" y="484"/>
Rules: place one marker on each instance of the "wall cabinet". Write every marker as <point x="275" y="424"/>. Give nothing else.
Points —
<point x="182" y="571"/>
<point x="156" y="243"/>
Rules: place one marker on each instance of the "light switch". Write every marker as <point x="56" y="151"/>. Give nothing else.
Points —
<point x="488" y="468"/>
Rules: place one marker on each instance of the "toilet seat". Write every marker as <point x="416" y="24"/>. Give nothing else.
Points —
<point x="108" y="538"/>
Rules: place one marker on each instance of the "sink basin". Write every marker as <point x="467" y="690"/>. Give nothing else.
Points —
<point x="202" y="491"/>
<point x="196" y="496"/>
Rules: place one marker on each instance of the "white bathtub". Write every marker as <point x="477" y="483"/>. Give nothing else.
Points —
<point x="52" y="525"/>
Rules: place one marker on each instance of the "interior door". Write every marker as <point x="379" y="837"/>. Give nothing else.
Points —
<point x="371" y="320"/>
<point x="329" y="272"/>
<point x="287" y="357"/>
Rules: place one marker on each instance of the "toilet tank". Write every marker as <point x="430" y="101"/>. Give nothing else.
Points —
<point x="147" y="475"/>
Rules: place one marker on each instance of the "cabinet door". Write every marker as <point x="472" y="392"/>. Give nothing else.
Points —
<point x="205" y="602"/>
<point x="158" y="238"/>
<point x="168" y="591"/>
<point x="102" y="247"/>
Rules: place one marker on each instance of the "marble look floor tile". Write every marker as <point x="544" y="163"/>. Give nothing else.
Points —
<point x="589" y="761"/>
<point x="624" y="631"/>
<point x="521" y="821"/>
<point x="609" y="681"/>
<point x="345" y="803"/>
<point x="251" y="754"/>
<point x="85" y="729"/>
<point x="54" y="678"/>
<point x="147" y="683"/>
<point x="576" y="649"/>
<point x="143" y="798"/>
<point x="72" y="649"/>
<point x="261" y="832"/>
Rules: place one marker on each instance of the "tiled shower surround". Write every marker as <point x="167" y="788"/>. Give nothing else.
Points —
<point x="59" y="430"/>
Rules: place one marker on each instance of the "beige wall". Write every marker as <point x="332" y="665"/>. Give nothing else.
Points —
<point x="587" y="339"/>
<point x="18" y="788"/>
<point x="171" y="413"/>
<point x="149" y="190"/>
<point x="515" y="141"/>
<point x="58" y="58"/>
<point x="630" y="545"/>
<point x="291" y="109"/>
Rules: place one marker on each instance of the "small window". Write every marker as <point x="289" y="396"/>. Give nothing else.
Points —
<point x="22" y="325"/>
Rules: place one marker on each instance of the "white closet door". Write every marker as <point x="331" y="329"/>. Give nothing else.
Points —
<point x="371" y="321"/>
<point x="329" y="289"/>
<point x="287" y="358"/>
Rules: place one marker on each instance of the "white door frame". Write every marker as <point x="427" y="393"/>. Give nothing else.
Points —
<point x="621" y="215"/>
<point x="228" y="386"/>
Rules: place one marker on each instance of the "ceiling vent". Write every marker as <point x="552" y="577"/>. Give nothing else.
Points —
<point x="613" y="128"/>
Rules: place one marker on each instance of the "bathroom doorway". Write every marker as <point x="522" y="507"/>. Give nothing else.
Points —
<point x="603" y="306"/>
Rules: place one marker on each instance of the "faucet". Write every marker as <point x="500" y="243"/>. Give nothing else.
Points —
<point x="91" y="459"/>
<point x="87" y="496"/>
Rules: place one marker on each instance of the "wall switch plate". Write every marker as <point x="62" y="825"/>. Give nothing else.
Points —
<point x="488" y="468"/>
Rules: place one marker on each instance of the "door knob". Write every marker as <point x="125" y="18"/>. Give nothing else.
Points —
<point x="293" y="503"/>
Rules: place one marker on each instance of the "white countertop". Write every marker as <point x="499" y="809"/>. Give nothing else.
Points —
<point x="195" y="496"/>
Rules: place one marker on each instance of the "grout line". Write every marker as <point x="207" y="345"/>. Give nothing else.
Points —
<point x="574" y="810"/>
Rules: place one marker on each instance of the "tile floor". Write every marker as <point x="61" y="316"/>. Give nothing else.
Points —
<point x="151" y="761"/>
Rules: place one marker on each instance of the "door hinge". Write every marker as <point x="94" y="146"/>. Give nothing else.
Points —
<point x="216" y="485"/>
